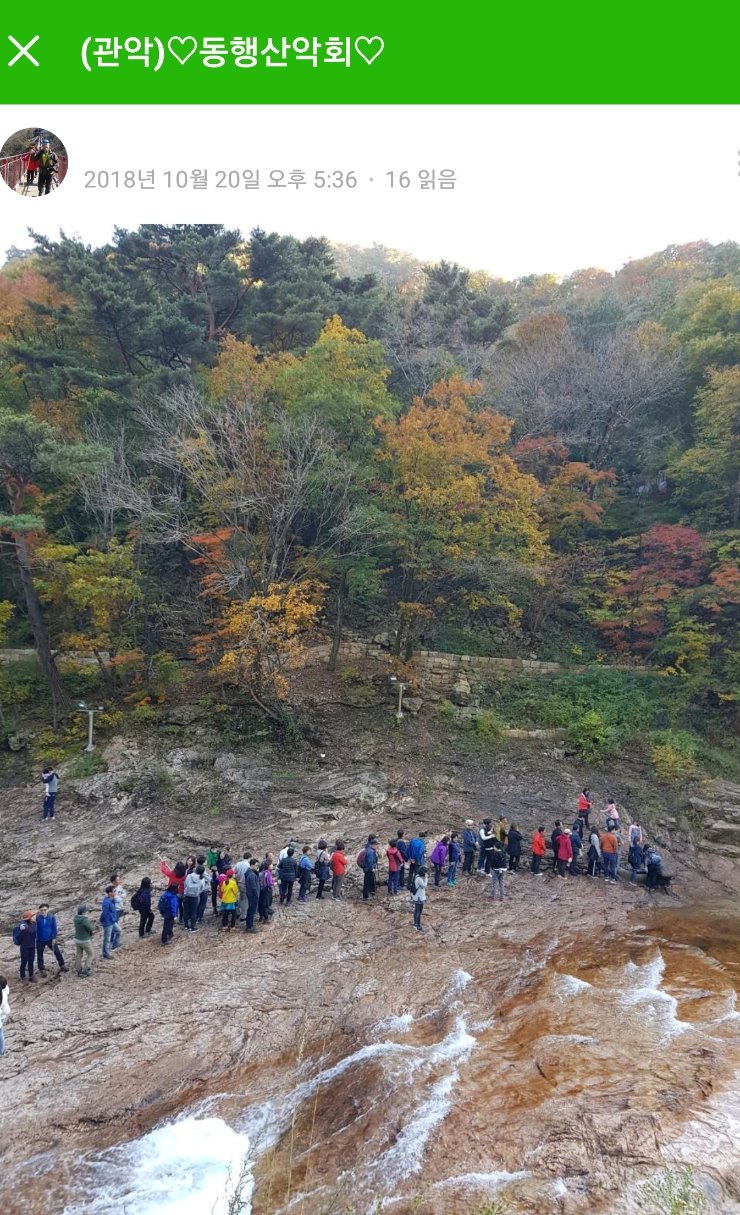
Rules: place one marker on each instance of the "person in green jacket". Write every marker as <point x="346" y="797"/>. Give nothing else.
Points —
<point x="84" y="929"/>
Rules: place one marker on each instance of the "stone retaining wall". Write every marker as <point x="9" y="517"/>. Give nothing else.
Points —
<point x="441" y="671"/>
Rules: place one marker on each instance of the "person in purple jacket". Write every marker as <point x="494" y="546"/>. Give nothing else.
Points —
<point x="438" y="857"/>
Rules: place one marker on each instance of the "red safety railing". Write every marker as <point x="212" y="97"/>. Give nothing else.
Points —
<point x="13" y="169"/>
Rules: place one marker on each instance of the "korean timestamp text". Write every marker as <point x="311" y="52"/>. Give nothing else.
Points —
<point x="271" y="179"/>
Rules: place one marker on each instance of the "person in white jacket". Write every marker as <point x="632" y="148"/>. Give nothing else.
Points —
<point x="4" y="1010"/>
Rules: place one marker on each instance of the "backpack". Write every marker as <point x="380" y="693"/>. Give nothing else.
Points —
<point x="322" y="868"/>
<point x="361" y="858"/>
<point x="163" y="906"/>
<point x="17" y="935"/>
<point x="136" y="901"/>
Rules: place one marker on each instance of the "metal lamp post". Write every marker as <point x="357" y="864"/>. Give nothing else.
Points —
<point x="82" y="707"/>
<point x="401" y="689"/>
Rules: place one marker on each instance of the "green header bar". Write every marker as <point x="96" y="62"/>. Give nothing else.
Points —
<point x="142" y="53"/>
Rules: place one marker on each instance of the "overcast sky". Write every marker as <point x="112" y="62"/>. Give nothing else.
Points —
<point x="538" y="188"/>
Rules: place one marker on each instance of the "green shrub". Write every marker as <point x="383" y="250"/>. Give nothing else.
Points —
<point x="142" y="715"/>
<point x="89" y="763"/>
<point x="672" y="766"/>
<point x="446" y="709"/>
<point x="673" y="754"/>
<point x="675" y="1192"/>
<point x="591" y="737"/>
<point x="489" y="727"/>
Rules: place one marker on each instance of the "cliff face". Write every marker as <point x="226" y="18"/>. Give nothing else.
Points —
<point x="557" y="1045"/>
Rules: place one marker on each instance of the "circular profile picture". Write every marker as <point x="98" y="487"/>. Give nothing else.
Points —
<point x="33" y="162"/>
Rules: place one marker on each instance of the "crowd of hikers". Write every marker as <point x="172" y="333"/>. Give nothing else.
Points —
<point x="245" y="890"/>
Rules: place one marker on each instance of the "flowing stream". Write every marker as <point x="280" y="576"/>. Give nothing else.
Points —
<point x="558" y="1080"/>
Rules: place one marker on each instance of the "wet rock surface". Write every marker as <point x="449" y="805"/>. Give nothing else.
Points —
<point x="554" y="1049"/>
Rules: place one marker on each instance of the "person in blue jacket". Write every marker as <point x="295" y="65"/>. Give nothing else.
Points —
<point x="109" y="923"/>
<point x="169" y="909"/>
<point x="46" y="938"/>
<point x="453" y="856"/>
<point x="417" y="853"/>
<point x="469" y="845"/>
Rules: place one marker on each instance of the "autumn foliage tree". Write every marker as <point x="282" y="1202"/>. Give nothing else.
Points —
<point x="458" y="500"/>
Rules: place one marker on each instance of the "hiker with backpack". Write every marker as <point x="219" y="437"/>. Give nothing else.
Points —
<point x="24" y="936"/>
<point x="654" y="867"/>
<point x="205" y="888"/>
<point x="403" y="848"/>
<point x="469" y="845"/>
<point x="253" y="893"/>
<point x="83" y="930"/>
<point x="338" y="863"/>
<point x="305" y="874"/>
<point x="141" y="901"/>
<point x="169" y="909"/>
<point x="367" y="859"/>
<point x="635" y="860"/>
<point x="266" y="885"/>
<point x="4" y="1011"/>
<point x="46" y="938"/>
<point x="322" y="868"/>
<point x="287" y="874"/>
<point x="191" y="899"/>
<point x="417" y="855"/>
<point x="47" y="167"/>
<point x="395" y="864"/>
<point x="453" y="856"/>
<point x="419" y="895"/>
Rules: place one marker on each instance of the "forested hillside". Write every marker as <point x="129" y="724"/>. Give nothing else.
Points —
<point x="217" y="448"/>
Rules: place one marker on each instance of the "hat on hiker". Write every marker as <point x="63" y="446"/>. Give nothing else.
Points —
<point x="28" y="915"/>
<point x="83" y="907"/>
<point x="469" y="822"/>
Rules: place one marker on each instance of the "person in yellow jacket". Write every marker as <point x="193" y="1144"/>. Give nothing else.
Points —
<point x="229" y="900"/>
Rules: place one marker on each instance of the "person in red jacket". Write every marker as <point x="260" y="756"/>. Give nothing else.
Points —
<point x="395" y="861"/>
<point x="539" y="848"/>
<point x="585" y="805"/>
<point x="176" y="877"/>
<point x="564" y="850"/>
<point x="338" y="866"/>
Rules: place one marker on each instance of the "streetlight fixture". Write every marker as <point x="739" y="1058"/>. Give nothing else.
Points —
<point x="401" y="689"/>
<point x="82" y="708"/>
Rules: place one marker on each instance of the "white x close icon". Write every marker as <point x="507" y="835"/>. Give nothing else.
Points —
<point x="23" y="50"/>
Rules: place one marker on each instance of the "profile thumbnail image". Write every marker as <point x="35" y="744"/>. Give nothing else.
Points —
<point x="33" y="162"/>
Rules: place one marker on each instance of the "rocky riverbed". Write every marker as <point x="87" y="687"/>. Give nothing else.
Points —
<point x="555" y="1050"/>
